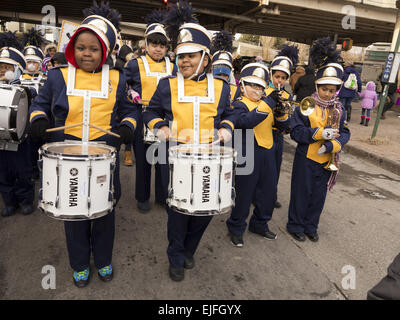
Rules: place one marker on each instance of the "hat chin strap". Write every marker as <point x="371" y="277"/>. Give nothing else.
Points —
<point x="198" y="67"/>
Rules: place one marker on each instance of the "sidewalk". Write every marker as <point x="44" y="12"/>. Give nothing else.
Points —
<point x="385" y="149"/>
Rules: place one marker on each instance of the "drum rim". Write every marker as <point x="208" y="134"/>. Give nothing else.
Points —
<point x="225" y="210"/>
<point x="45" y="152"/>
<point x="178" y="154"/>
<point x="12" y="121"/>
<point x="75" y="218"/>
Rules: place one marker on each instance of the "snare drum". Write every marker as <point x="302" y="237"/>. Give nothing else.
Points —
<point x="148" y="136"/>
<point x="36" y="83"/>
<point x="201" y="179"/>
<point x="77" y="180"/>
<point x="14" y="109"/>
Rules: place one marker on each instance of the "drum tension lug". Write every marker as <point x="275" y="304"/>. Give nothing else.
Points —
<point x="57" y="201"/>
<point x="191" y="198"/>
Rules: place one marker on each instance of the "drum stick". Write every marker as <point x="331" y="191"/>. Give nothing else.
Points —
<point x="215" y="142"/>
<point x="64" y="127"/>
<point x="105" y="131"/>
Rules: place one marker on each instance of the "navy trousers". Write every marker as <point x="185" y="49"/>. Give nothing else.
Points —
<point x="143" y="169"/>
<point x="16" y="184"/>
<point x="184" y="231"/>
<point x="84" y="237"/>
<point x="259" y="186"/>
<point x="97" y="235"/>
<point x="307" y="194"/>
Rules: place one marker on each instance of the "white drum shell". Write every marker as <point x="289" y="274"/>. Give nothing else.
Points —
<point x="202" y="185"/>
<point x="80" y="195"/>
<point x="14" y="107"/>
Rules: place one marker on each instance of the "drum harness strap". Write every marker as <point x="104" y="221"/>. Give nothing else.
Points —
<point x="87" y="95"/>
<point x="158" y="75"/>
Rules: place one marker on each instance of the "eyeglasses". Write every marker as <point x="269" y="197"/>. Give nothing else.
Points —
<point x="254" y="86"/>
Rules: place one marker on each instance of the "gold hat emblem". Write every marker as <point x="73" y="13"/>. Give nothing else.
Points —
<point x="285" y="64"/>
<point x="30" y="52"/>
<point x="99" y="24"/>
<point x="5" y="54"/>
<point x="185" y="36"/>
<point x="259" y="72"/>
<point x="159" y="29"/>
<point x="330" y="72"/>
<point x="224" y="56"/>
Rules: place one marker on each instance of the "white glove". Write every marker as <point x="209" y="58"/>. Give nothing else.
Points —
<point x="329" y="133"/>
<point x="224" y="135"/>
<point x="322" y="150"/>
<point x="163" y="133"/>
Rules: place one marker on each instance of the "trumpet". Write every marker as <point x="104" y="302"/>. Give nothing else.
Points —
<point x="307" y="106"/>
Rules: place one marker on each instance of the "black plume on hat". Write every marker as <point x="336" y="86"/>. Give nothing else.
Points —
<point x="178" y="14"/>
<point x="222" y="41"/>
<point x="292" y="52"/>
<point x="105" y="11"/>
<point x="9" y="39"/>
<point x="156" y="16"/>
<point x="323" y="51"/>
<point x="32" y="38"/>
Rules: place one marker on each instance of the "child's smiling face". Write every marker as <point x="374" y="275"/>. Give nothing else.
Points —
<point x="88" y="51"/>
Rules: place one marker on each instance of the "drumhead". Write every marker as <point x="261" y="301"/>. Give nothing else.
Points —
<point x="23" y="100"/>
<point x="91" y="150"/>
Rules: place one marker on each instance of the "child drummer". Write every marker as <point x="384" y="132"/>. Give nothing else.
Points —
<point x="16" y="186"/>
<point x="86" y="53"/>
<point x="257" y="112"/>
<point x="173" y="119"/>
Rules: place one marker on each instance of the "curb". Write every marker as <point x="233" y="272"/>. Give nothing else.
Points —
<point x="387" y="164"/>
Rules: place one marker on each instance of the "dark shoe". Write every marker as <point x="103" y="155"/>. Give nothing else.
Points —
<point x="362" y="120"/>
<point x="81" y="278"/>
<point x="176" y="274"/>
<point x="366" y="122"/>
<point x="278" y="204"/>
<point x="267" y="235"/>
<point x="237" y="241"/>
<point x="189" y="262"/>
<point x="313" y="236"/>
<point x="106" y="273"/>
<point x="8" y="211"/>
<point x="27" y="209"/>
<point x="299" y="236"/>
<point x="143" y="206"/>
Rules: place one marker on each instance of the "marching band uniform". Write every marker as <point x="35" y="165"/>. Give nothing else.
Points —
<point x="222" y="59"/>
<point x="260" y="185"/>
<point x="284" y="62"/>
<point x="142" y="75"/>
<point x="88" y="235"/>
<point x="33" y="54"/>
<point x="310" y="177"/>
<point x="184" y="231"/>
<point x="16" y="185"/>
